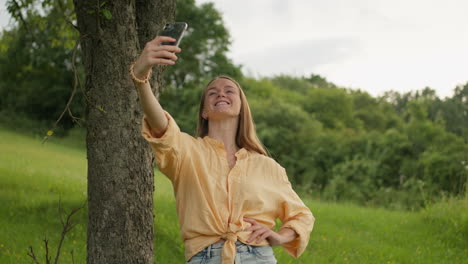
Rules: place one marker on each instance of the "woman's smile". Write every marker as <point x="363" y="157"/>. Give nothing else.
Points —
<point x="222" y="103"/>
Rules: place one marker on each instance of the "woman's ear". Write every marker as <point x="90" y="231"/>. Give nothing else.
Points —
<point x="204" y="115"/>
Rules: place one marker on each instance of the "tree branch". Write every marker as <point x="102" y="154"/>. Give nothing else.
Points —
<point x="20" y="16"/>
<point x="73" y="257"/>
<point x="65" y="16"/>
<point x="47" y="257"/>
<point x="32" y="255"/>
<point x="60" y="211"/>
<point x="75" y="85"/>
<point x="67" y="226"/>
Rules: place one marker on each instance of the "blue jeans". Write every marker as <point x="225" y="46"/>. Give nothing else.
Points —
<point x="246" y="254"/>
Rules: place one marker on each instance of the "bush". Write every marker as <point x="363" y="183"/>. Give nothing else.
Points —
<point x="23" y="124"/>
<point x="450" y="219"/>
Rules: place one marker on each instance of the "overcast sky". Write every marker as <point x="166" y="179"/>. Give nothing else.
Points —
<point x="375" y="45"/>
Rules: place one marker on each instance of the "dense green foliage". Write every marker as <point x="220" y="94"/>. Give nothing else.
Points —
<point x="38" y="79"/>
<point x="346" y="145"/>
<point x="402" y="152"/>
<point x="204" y="45"/>
<point x="34" y="176"/>
<point x="398" y="150"/>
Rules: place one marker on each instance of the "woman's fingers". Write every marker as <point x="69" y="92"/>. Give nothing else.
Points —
<point x="161" y="57"/>
<point x="260" y="235"/>
<point x="162" y="61"/>
<point x="163" y="54"/>
<point x="259" y="231"/>
<point x="172" y="49"/>
<point x="160" y="39"/>
<point x="153" y="49"/>
<point x="250" y="220"/>
<point x="154" y="53"/>
<point x="254" y="225"/>
<point x="263" y="236"/>
<point x="252" y="228"/>
<point x="255" y="234"/>
<point x="256" y="228"/>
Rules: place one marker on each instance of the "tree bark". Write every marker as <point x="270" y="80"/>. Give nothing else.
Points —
<point x="120" y="172"/>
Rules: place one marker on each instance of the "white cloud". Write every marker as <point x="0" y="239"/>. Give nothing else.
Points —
<point x="4" y="16"/>
<point x="299" y="58"/>
<point x="376" y="45"/>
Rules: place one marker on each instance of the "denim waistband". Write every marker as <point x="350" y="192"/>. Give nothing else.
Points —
<point x="216" y="248"/>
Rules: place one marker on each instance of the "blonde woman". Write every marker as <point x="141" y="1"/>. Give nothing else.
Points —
<point x="229" y="192"/>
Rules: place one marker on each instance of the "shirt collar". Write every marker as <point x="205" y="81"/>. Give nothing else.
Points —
<point x="240" y="154"/>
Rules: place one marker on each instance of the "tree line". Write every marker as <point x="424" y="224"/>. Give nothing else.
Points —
<point x="396" y="150"/>
<point x="399" y="150"/>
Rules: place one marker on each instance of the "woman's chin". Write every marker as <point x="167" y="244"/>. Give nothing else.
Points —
<point x="222" y="114"/>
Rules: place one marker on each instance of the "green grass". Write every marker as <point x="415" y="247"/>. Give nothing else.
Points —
<point x="34" y="176"/>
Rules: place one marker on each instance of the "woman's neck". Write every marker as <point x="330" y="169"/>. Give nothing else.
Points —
<point x="225" y="131"/>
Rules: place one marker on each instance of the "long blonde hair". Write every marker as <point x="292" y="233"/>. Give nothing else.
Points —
<point x="246" y="137"/>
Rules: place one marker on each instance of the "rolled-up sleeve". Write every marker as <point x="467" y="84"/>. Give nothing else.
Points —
<point x="166" y="148"/>
<point x="296" y="215"/>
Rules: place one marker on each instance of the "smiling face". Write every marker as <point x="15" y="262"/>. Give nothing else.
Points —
<point x="222" y="99"/>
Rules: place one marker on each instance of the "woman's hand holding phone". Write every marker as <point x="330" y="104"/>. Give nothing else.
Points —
<point x="155" y="54"/>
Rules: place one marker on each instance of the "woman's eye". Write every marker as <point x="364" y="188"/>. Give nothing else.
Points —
<point x="210" y="94"/>
<point x="229" y="91"/>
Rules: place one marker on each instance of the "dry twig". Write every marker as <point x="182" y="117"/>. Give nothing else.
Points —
<point x="73" y="257"/>
<point x="47" y="257"/>
<point x="20" y="16"/>
<point x="67" y="225"/>
<point x="75" y="85"/>
<point x="32" y="255"/>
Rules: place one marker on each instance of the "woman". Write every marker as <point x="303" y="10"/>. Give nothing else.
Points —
<point x="228" y="191"/>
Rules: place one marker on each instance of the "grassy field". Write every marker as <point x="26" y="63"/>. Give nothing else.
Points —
<point x="33" y="177"/>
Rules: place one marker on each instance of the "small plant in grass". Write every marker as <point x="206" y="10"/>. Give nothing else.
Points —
<point x="67" y="226"/>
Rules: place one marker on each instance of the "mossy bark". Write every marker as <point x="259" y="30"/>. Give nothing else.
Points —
<point x="120" y="172"/>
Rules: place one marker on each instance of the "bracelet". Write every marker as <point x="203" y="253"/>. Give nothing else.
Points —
<point x="132" y="74"/>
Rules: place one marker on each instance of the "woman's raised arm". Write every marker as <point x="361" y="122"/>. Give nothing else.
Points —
<point x="153" y="54"/>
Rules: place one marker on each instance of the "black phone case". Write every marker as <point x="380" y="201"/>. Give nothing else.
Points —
<point x="174" y="30"/>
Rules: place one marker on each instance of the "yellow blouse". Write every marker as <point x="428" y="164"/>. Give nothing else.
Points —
<point x="212" y="199"/>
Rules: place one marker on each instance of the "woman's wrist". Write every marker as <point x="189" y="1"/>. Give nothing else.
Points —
<point x="139" y="74"/>
<point x="287" y="235"/>
<point x="141" y="71"/>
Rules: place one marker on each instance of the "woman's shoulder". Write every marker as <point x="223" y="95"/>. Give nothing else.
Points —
<point x="269" y="167"/>
<point x="266" y="161"/>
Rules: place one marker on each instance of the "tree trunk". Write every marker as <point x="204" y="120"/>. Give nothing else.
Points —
<point x="120" y="173"/>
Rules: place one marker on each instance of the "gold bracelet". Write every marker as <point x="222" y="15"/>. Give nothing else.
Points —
<point x="132" y="74"/>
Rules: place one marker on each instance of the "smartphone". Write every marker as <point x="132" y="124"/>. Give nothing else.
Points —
<point x="174" y="30"/>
